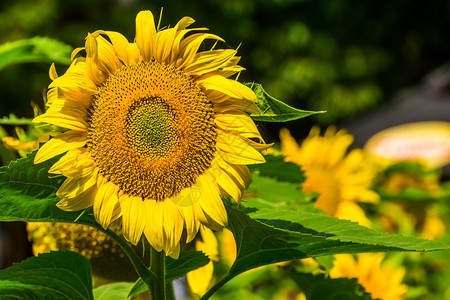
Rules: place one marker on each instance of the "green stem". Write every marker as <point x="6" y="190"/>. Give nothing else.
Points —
<point x="217" y="286"/>
<point x="148" y="276"/>
<point x="170" y="293"/>
<point x="158" y="288"/>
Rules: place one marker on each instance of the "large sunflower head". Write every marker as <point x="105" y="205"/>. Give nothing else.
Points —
<point x="340" y="178"/>
<point x="156" y="131"/>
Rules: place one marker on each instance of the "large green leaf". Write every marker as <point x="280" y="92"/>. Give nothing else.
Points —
<point x="318" y="287"/>
<point x="37" y="49"/>
<point x="343" y="230"/>
<point x="175" y="268"/>
<point x="271" y="236"/>
<point x="113" y="291"/>
<point x="55" y="275"/>
<point x="273" y="110"/>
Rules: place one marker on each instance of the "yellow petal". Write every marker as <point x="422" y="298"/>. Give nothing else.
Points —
<point x="154" y="232"/>
<point x="105" y="203"/>
<point x="289" y="146"/>
<point x="134" y="55"/>
<point x="133" y="217"/>
<point x="75" y="163"/>
<point x="145" y="34"/>
<point x="238" y="122"/>
<point x="236" y="150"/>
<point x="79" y="202"/>
<point x="179" y="36"/>
<point x="211" y="203"/>
<point x="73" y="187"/>
<point x="62" y="120"/>
<point x="165" y="39"/>
<point x="175" y="252"/>
<point x="59" y="144"/>
<point x="199" y="280"/>
<point x="94" y="73"/>
<point x="52" y="72"/>
<point x="173" y="227"/>
<point x="209" y="61"/>
<point x="240" y="173"/>
<point x="226" y="86"/>
<point x="189" y="47"/>
<point x="75" y="52"/>
<point x="108" y="62"/>
<point x="119" y="42"/>
<point x="208" y="244"/>
<point x="351" y="211"/>
<point x="191" y="222"/>
<point x="233" y="105"/>
<point x="68" y="107"/>
<point x="226" y="182"/>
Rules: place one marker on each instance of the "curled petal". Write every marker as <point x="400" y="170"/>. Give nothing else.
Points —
<point x="145" y="34"/>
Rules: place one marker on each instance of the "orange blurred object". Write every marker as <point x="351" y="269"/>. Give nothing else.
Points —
<point x="425" y="142"/>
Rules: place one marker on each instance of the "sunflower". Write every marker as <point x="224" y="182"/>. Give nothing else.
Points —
<point x="107" y="259"/>
<point x="341" y="179"/>
<point x="382" y="280"/>
<point x="156" y="132"/>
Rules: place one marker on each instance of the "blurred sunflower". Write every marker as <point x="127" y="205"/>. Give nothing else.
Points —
<point x="108" y="261"/>
<point x="201" y="279"/>
<point x="340" y="179"/>
<point x="383" y="281"/>
<point x="157" y="132"/>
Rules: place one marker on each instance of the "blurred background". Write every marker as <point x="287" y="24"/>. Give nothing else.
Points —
<point x="370" y="64"/>
<point x="345" y="57"/>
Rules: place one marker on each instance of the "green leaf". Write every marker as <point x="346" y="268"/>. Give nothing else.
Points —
<point x="277" y="184"/>
<point x="28" y="194"/>
<point x="271" y="236"/>
<point x="113" y="291"/>
<point x="275" y="167"/>
<point x="37" y="49"/>
<point x="273" y="110"/>
<point x="57" y="275"/>
<point x="175" y="268"/>
<point x="270" y="193"/>
<point x="317" y="287"/>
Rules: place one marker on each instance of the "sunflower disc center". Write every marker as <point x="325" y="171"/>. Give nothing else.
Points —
<point x="151" y="127"/>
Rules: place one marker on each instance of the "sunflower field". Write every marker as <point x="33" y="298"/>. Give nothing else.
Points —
<point x="224" y="149"/>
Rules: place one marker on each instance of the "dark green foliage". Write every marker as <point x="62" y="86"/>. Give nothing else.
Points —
<point x="54" y="275"/>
